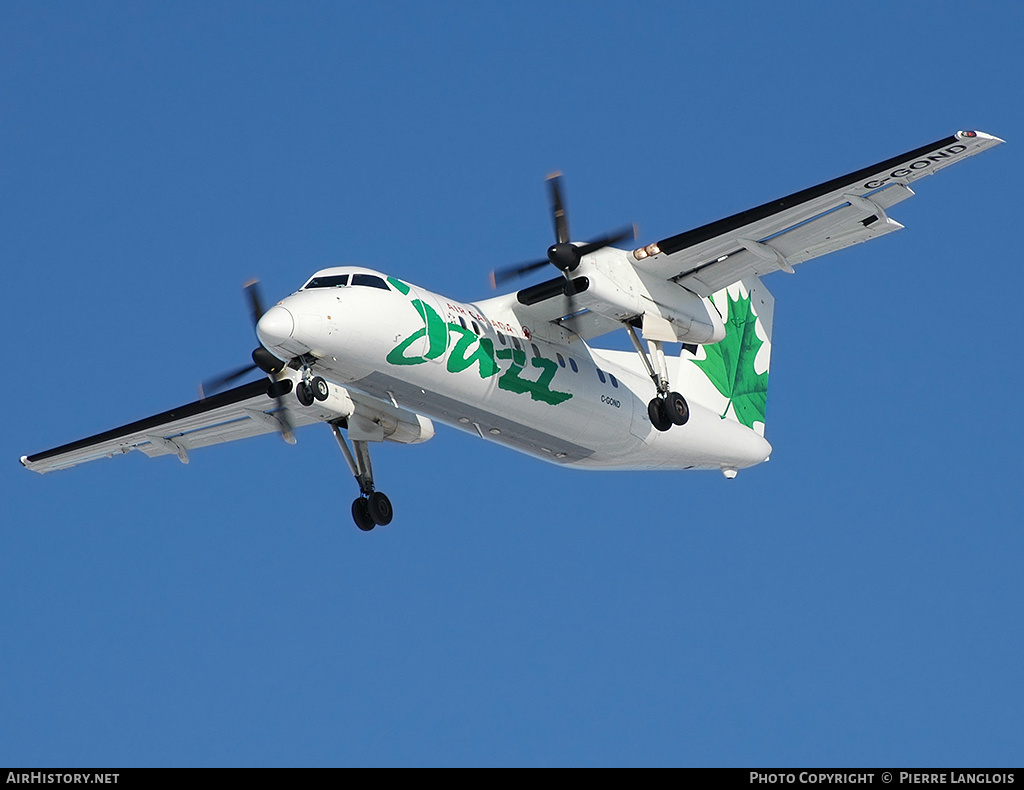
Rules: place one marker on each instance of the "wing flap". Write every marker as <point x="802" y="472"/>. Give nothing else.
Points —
<point x="850" y="223"/>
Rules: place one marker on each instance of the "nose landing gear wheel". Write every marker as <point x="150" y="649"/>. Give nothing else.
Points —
<point x="319" y="388"/>
<point x="361" y="515"/>
<point x="304" y="393"/>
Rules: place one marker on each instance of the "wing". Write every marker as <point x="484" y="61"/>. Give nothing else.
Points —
<point x="661" y="280"/>
<point x="844" y="211"/>
<point x="235" y="414"/>
<point x="248" y="410"/>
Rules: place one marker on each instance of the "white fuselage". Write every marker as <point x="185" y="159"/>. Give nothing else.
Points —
<point x="476" y="367"/>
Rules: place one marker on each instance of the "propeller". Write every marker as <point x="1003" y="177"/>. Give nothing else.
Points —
<point x="563" y="254"/>
<point x="211" y="386"/>
<point x="261" y="359"/>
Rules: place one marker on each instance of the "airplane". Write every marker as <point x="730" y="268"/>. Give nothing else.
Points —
<point x="377" y="358"/>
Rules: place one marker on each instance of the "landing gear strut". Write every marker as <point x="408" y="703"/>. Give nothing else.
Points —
<point x="667" y="408"/>
<point x="372" y="508"/>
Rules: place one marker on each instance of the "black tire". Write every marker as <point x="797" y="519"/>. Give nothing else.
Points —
<point x="380" y="509"/>
<point x="304" y="393"/>
<point x="319" y="387"/>
<point x="361" y="515"/>
<point x="677" y="408"/>
<point x="659" y="414"/>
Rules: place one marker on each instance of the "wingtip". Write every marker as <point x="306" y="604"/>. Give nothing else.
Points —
<point x="28" y="465"/>
<point x="973" y="133"/>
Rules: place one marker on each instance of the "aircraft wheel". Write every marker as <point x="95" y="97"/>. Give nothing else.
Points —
<point x="677" y="408"/>
<point x="361" y="515"/>
<point x="659" y="414"/>
<point x="304" y="393"/>
<point x="380" y="508"/>
<point x="319" y="387"/>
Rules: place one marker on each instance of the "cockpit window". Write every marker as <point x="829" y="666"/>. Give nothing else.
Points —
<point x="328" y="281"/>
<point x="371" y="280"/>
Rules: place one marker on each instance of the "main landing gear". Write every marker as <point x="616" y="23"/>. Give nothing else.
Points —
<point x="667" y="408"/>
<point x="372" y="508"/>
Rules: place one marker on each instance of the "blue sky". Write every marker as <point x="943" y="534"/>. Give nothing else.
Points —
<point x="856" y="601"/>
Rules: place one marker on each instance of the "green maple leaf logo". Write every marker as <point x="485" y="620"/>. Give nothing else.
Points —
<point x="730" y="364"/>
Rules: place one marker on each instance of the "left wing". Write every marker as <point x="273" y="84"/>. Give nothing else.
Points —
<point x="824" y="218"/>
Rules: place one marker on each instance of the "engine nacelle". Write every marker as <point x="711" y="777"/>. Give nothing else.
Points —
<point x="693" y="319"/>
<point x="368" y="419"/>
<point x="337" y="406"/>
<point x="609" y="285"/>
<point x="409" y="428"/>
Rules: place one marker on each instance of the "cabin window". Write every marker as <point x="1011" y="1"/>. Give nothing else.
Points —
<point x="600" y="375"/>
<point x="572" y="364"/>
<point x="476" y="329"/>
<point x="561" y="360"/>
<point x="327" y="281"/>
<point x="501" y="338"/>
<point x="462" y="321"/>
<point x="369" y="280"/>
<point x="536" y="351"/>
<point x="614" y="382"/>
<point x="515" y="342"/>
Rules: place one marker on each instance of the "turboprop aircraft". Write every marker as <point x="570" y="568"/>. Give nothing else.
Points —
<point x="377" y="358"/>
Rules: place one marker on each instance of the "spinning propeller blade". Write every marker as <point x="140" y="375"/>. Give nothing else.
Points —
<point x="262" y="359"/>
<point x="210" y="386"/>
<point x="563" y="254"/>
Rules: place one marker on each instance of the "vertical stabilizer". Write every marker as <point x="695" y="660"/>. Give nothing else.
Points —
<point x="731" y="377"/>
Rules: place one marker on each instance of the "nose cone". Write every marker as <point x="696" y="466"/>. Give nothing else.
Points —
<point x="275" y="327"/>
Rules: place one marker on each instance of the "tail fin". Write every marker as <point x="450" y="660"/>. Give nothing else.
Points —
<point x="731" y="377"/>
